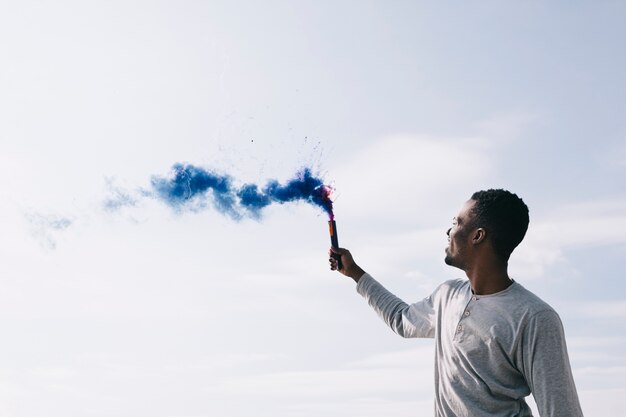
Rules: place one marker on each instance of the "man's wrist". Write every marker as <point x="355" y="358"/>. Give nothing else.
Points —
<point x="356" y="273"/>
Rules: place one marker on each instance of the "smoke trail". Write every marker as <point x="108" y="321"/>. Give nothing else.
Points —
<point x="43" y="227"/>
<point x="191" y="186"/>
<point x="118" y="197"/>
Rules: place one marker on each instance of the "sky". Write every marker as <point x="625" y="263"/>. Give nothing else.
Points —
<point x="405" y="108"/>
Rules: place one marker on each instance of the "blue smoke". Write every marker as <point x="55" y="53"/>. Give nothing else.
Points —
<point x="191" y="185"/>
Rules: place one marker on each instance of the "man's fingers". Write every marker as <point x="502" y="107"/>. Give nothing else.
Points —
<point x="333" y="264"/>
<point x="338" y="251"/>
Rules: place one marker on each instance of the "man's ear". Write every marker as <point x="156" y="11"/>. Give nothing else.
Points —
<point x="479" y="236"/>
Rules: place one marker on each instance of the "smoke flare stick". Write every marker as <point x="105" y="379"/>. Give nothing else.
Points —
<point x="332" y="226"/>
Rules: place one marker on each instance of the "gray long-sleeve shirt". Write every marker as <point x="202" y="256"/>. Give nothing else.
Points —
<point x="491" y="351"/>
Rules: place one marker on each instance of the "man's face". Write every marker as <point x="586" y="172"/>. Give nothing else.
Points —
<point x="459" y="237"/>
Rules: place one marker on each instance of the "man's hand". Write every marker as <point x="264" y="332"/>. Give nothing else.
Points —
<point x="350" y="268"/>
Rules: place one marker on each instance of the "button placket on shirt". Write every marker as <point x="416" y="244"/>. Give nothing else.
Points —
<point x="466" y="314"/>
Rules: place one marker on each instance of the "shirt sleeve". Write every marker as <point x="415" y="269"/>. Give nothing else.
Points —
<point x="547" y="368"/>
<point x="415" y="320"/>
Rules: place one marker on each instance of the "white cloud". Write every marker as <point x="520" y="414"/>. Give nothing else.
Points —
<point x="389" y="181"/>
<point x="392" y="381"/>
<point x="225" y="363"/>
<point x="587" y="223"/>
<point x="602" y="402"/>
<point x="604" y="309"/>
<point x="537" y="252"/>
<point x="582" y="343"/>
<point x="364" y="407"/>
<point x="506" y="125"/>
<point x="421" y="356"/>
<point x="589" y="355"/>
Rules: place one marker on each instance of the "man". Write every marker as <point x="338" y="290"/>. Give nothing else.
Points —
<point x="495" y="341"/>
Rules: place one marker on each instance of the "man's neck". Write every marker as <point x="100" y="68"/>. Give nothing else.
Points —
<point x="488" y="279"/>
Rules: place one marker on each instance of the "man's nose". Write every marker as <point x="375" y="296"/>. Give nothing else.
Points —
<point x="448" y="232"/>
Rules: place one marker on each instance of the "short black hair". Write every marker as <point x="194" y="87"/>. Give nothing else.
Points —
<point x="504" y="216"/>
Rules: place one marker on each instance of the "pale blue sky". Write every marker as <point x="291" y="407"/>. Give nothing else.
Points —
<point x="405" y="107"/>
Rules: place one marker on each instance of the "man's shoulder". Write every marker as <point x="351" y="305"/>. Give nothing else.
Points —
<point x="528" y="301"/>
<point x="453" y="284"/>
<point x="452" y="287"/>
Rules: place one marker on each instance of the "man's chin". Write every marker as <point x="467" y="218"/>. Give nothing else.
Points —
<point x="449" y="260"/>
